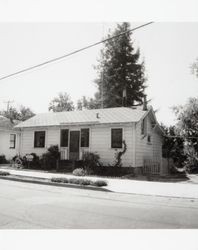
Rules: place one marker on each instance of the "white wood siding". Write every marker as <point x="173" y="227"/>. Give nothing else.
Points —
<point x="5" y="144"/>
<point x="100" y="142"/>
<point x="144" y="149"/>
<point x="138" y="147"/>
<point x="52" y="137"/>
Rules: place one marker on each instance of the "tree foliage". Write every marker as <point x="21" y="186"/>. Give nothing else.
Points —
<point x="22" y="114"/>
<point x="121" y="76"/>
<point x="61" y="103"/>
<point x="194" y="67"/>
<point x="88" y="103"/>
<point x="187" y="116"/>
<point x="173" y="146"/>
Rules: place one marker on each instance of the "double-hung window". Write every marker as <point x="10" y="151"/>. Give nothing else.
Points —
<point x="64" y="137"/>
<point x="116" y="137"/>
<point x="144" y="126"/>
<point x="39" y="139"/>
<point x="12" y="140"/>
<point x="84" y="137"/>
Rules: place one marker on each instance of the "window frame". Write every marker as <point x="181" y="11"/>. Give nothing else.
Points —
<point x="61" y="145"/>
<point x="144" y="126"/>
<point x="13" y="141"/>
<point x="87" y="145"/>
<point x="39" y="131"/>
<point x="112" y="146"/>
<point x="149" y="139"/>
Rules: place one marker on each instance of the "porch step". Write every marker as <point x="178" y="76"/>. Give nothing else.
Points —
<point x="69" y="164"/>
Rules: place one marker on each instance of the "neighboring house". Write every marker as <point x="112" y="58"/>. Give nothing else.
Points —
<point x="9" y="138"/>
<point x="100" y="130"/>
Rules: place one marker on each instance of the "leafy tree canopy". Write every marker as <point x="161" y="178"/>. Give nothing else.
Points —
<point x="194" y="68"/>
<point x="88" y="103"/>
<point x="173" y="145"/>
<point x="187" y="116"/>
<point x="22" y="114"/>
<point x="61" y="103"/>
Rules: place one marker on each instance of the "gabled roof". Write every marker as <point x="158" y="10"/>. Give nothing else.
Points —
<point x="6" y="124"/>
<point x="94" y="116"/>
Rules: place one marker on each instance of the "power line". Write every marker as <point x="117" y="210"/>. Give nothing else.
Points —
<point x="72" y="53"/>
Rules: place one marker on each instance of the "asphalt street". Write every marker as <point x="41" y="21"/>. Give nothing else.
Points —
<point x="34" y="206"/>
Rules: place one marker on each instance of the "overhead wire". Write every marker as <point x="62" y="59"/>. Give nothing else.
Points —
<point x="72" y="53"/>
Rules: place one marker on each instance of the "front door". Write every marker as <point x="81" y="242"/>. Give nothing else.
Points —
<point x="74" y="145"/>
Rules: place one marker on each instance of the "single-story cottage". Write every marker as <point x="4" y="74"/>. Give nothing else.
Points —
<point x="100" y="130"/>
<point x="9" y="138"/>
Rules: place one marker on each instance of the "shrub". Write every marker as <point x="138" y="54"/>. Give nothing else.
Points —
<point x="35" y="163"/>
<point x="85" y="182"/>
<point x="99" y="183"/>
<point x="19" y="161"/>
<point x="51" y="157"/>
<point x="4" y="173"/>
<point x="91" y="161"/>
<point x="59" y="180"/>
<point x="80" y="181"/>
<point x="76" y="181"/>
<point x="79" y="172"/>
<point x="3" y="159"/>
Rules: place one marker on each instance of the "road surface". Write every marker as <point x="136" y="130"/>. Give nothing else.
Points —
<point x="33" y="206"/>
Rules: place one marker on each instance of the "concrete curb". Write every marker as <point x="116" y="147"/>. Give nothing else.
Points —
<point x="43" y="181"/>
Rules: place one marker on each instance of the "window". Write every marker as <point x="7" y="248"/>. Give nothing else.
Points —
<point x="64" y="137"/>
<point x="149" y="139"/>
<point x="39" y="139"/>
<point x="116" y="138"/>
<point x="144" y="127"/>
<point x="85" y="137"/>
<point x="12" y="141"/>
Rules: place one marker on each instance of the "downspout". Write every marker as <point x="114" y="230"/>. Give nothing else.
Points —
<point x="20" y="142"/>
<point x="134" y="145"/>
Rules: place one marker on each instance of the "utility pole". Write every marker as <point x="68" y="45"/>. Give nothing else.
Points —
<point x="102" y="74"/>
<point x="8" y="104"/>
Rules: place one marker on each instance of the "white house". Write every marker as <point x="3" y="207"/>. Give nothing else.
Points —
<point x="100" y="130"/>
<point x="9" y="138"/>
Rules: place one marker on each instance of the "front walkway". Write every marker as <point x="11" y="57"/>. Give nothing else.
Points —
<point x="182" y="190"/>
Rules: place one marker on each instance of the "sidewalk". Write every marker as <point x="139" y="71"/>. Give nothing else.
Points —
<point x="181" y="190"/>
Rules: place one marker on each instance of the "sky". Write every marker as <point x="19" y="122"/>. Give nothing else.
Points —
<point x="168" y="50"/>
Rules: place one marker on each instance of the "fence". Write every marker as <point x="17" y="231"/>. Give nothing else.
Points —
<point x="151" y="167"/>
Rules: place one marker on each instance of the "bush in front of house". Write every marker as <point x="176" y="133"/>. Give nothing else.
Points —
<point x="82" y="182"/>
<point x="4" y="173"/>
<point x="51" y="157"/>
<point x="79" y="172"/>
<point x="3" y="159"/>
<point x="34" y="163"/>
<point x="91" y="161"/>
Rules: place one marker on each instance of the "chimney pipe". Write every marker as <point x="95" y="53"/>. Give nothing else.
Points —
<point x="145" y="103"/>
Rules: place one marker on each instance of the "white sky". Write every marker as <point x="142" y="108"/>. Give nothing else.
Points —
<point x="167" y="48"/>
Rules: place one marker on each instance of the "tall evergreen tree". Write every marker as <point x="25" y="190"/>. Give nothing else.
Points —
<point x="121" y="76"/>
